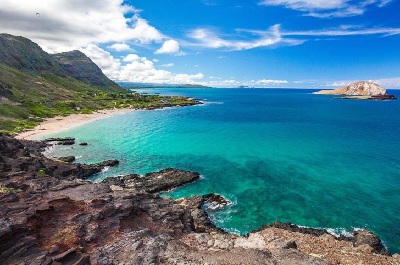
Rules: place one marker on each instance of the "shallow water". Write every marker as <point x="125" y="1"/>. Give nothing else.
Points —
<point x="279" y="155"/>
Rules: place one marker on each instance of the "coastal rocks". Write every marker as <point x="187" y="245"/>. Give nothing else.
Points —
<point x="46" y="218"/>
<point x="294" y="228"/>
<point x="66" y="159"/>
<point x="215" y="201"/>
<point x="64" y="139"/>
<point x="364" y="237"/>
<point x="382" y="97"/>
<point x="163" y="180"/>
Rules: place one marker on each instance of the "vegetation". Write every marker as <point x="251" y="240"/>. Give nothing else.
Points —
<point x="35" y="85"/>
<point x="26" y="99"/>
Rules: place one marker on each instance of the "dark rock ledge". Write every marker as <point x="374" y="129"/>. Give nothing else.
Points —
<point x="49" y="214"/>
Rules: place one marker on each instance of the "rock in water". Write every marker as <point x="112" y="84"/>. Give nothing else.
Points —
<point x="360" y="88"/>
<point x="163" y="180"/>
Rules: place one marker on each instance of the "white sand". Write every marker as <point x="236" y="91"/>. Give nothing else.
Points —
<point x="59" y="123"/>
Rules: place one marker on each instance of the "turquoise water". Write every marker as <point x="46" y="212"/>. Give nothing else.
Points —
<point x="279" y="155"/>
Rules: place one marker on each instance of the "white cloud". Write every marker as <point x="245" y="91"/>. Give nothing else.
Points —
<point x="134" y="68"/>
<point x="143" y="32"/>
<point x="327" y="8"/>
<point x="167" y="65"/>
<point x="119" y="47"/>
<point x="306" y="4"/>
<point x="208" y="38"/>
<point x="169" y="46"/>
<point x="262" y="83"/>
<point x="64" y="25"/>
<point x="131" y="58"/>
<point x="107" y="63"/>
<point x="345" y="31"/>
<point x="271" y="82"/>
<point x="387" y="83"/>
<point x="155" y="60"/>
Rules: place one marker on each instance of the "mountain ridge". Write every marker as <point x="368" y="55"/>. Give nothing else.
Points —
<point x="25" y="55"/>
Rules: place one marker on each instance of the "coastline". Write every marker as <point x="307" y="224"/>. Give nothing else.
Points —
<point x="62" y="123"/>
<point x="65" y="219"/>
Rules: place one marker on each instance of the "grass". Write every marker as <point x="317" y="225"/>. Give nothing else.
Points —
<point x="30" y="98"/>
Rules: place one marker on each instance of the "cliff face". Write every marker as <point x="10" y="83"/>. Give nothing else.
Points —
<point x="361" y="88"/>
<point x="50" y="215"/>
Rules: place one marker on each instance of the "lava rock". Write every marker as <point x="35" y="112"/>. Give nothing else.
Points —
<point x="67" y="159"/>
<point x="362" y="237"/>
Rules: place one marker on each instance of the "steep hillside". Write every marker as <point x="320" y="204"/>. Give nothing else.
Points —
<point x="23" y="54"/>
<point x="82" y="68"/>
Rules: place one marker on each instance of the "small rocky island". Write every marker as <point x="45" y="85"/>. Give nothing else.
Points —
<point x="51" y="214"/>
<point x="360" y="90"/>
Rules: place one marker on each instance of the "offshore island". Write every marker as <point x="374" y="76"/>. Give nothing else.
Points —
<point x="51" y="214"/>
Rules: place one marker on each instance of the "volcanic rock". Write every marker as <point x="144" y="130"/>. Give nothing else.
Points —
<point x="50" y="215"/>
<point x="163" y="180"/>
<point x="66" y="159"/>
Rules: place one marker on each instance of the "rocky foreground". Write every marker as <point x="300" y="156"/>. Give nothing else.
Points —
<point x="49" y="214"/>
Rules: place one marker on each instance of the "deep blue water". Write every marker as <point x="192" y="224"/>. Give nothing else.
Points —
<point x="279" y="155"/>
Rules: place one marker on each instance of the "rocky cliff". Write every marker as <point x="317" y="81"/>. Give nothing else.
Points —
<point x="49" y="214"/>
<point x="361" y="88"/>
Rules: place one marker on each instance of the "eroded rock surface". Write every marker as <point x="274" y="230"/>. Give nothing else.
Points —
<point x="50" y="215"/>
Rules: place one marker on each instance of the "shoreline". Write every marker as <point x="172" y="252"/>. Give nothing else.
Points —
<point x="57" y="208"/>
<point x="62" y="123"/>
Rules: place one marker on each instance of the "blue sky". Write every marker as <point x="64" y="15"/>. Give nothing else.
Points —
<point x="261" y="43"/>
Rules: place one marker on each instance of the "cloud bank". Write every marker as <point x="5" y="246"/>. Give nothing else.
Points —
<point x="133" y="68"/>
<point x="64" y="25"/>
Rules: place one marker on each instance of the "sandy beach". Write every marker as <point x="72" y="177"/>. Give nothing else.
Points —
<point x="60" y="123"/>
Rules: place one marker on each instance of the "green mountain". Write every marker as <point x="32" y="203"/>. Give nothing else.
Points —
<point x="35" y="85"/>
<point x="23" y="54"/>
<point x="81" y="67"/>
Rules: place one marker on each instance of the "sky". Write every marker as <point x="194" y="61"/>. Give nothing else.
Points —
<point x="221" y="43"/>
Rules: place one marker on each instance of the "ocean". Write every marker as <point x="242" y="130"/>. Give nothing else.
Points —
<point x="278" y="154"/>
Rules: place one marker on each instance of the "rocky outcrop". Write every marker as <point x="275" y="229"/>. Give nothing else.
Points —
<point x="66" y="159"/>
<point x="163" y="180"/>
<point x="49" y="217"/>
<point x="361" y="88"/>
